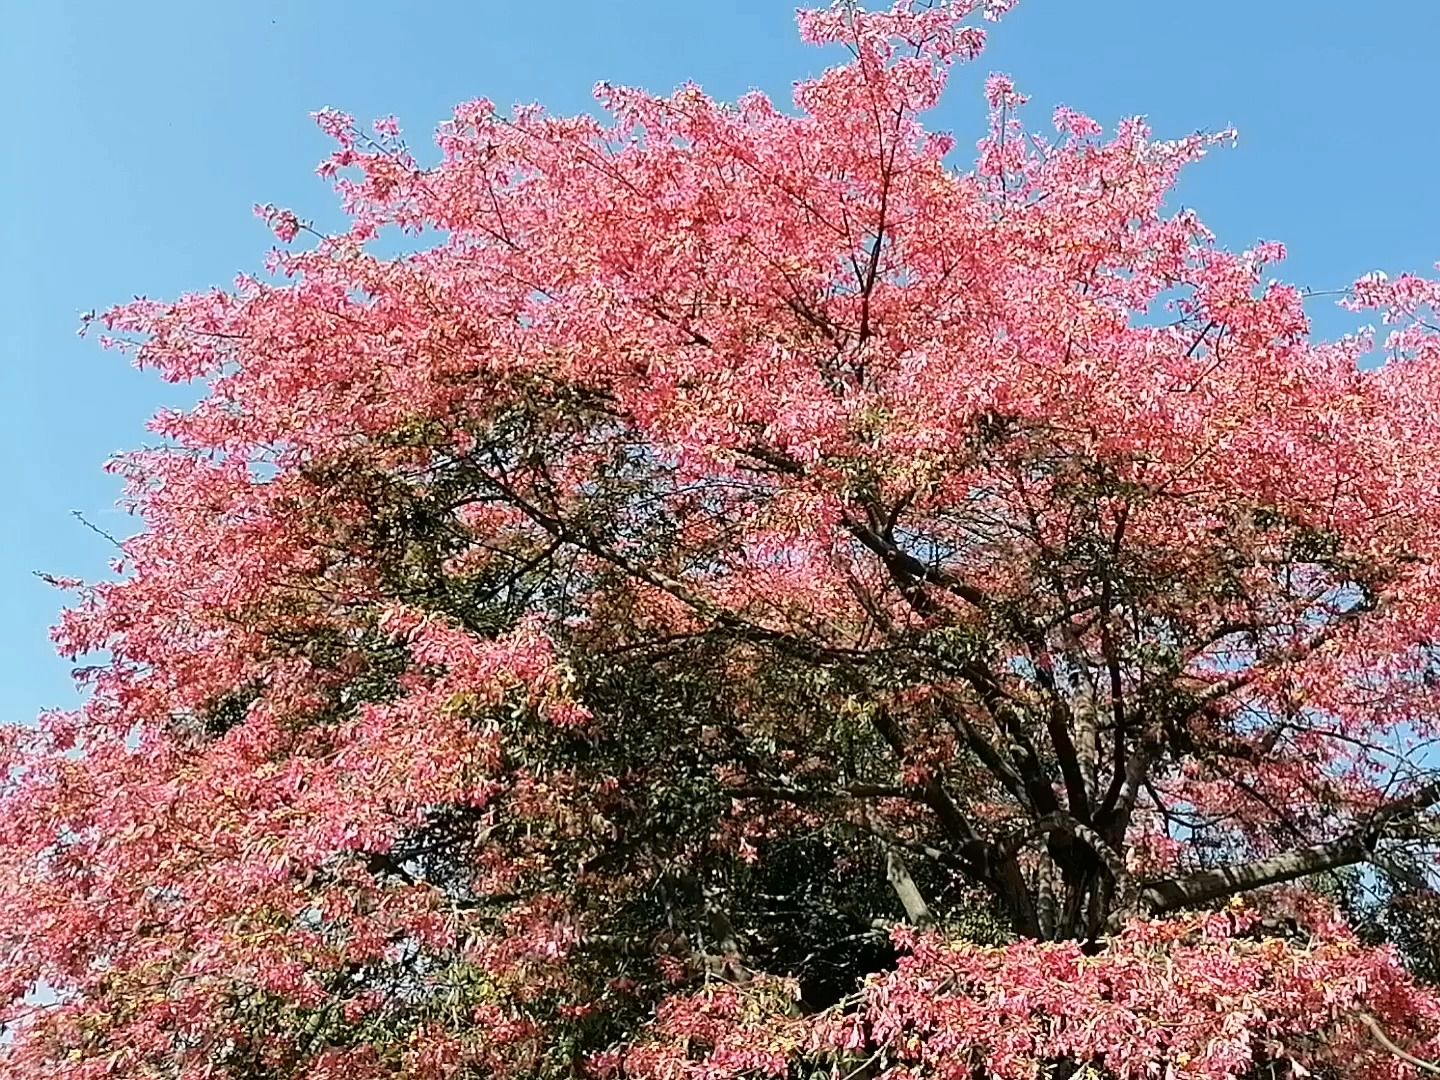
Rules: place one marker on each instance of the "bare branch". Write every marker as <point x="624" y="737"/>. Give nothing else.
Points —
<point x="1385" y="1041"/>
<point x="1353" y="847"/>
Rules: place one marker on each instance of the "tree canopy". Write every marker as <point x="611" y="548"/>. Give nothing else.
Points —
<point x="741" y="596"/>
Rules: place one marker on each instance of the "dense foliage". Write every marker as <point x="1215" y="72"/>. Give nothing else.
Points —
<point x="576" y="644"/>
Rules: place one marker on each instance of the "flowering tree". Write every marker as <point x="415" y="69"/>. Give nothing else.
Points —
<point x="577" y="645"/>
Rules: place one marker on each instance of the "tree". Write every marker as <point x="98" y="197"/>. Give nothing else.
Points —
<point x="576" y="644"/>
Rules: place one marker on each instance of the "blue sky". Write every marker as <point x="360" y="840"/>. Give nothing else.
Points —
<point x="140" y="135"/>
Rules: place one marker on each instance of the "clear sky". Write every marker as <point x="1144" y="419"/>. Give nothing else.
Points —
<point x="140" y="134"/>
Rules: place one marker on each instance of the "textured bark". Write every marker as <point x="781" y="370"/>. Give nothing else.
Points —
<point x="1355" y="846"/>
<point x="1207" y="885"/>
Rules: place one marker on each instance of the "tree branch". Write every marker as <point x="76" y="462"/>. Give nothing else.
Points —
<point x="1390" y="1046"/>
<point x="898" y="874"/>
<point x="909" y="572"/>
<point x="1353" y="847"/>
<point x="849" y="791"/>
